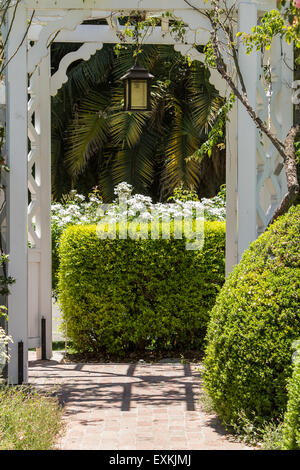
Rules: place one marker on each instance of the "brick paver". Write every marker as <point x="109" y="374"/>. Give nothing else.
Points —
<point x="131" y="406"/>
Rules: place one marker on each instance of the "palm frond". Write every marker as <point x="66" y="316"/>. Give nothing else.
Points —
<point x="182" y="141"/>
<point x="91" y="133"/>
<point x="127" y="128"/>
<point x="60" y="180"/>
<point x="88" y="132"/>
<point x="84" y="76"/>
<point x="136" y="164"/>
<point x="204" y="98"/>
<point x="122" y="63"/>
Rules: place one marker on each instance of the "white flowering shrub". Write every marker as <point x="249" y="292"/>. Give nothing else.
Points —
<point x="76" y="209"/>
<point x="73" y="210"/>
<point x="128" y="206"/>
<point x="214" y="208"/>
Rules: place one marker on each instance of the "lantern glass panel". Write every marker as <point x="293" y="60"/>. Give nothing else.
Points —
<point x="139" y="94"/>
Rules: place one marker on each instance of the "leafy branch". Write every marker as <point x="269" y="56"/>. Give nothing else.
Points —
<point x="217" y="131"/>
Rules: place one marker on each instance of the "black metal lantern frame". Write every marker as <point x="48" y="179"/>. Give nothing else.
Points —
<point x="137" y="89"/>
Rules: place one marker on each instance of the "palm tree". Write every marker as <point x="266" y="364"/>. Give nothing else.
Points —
<point x="95" y="143"/>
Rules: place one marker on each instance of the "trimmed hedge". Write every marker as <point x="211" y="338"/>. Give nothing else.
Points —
<point x="291" y="427"/>
<point x="55" y="236"/>
<point x="130" y="295"/>
<point x="253" y="324"/>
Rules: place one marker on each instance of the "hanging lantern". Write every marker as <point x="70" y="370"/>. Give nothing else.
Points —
<point x="137" y="88"/>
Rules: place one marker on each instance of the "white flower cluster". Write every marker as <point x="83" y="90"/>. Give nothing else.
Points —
<point x="123" y="190"/>
<point x="142" y="207"/>
<point x="76" y="210"/>
<point x="79" y="210"/>
<point x="214" y="208"/>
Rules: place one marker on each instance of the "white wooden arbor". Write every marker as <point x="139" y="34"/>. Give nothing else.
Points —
<point x="254" y="187"/>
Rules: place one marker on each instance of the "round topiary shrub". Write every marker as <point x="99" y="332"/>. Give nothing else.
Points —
<point x="253" y="324"/>
<point x="291" y="426"/>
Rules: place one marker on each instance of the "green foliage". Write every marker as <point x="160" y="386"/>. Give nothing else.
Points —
<point x="5" y="280"/>
<point x="291" y="427"/>
<point x="216" y="135"/>
<point x="284" y="23"/>
<point x="272" y="436"/>
<point x="28" y="420"/>
<point x="74" y="209"/>
<point x="271" y="25"/>
<point x="297" y="156"/>
<point x="137" y="28"/>
<point x="56" y="232"/>
<point x="253" y="324"/>
<point x="210" y="59"/>
<point x="222" y="193"/>
<point x="183" y="195"/>
<point x="130" y="295"/>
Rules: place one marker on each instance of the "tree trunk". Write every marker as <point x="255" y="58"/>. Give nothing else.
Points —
<point x="291" y="174"/>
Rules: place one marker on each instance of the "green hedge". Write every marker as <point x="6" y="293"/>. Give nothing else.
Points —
<point x="56" y="233"/>
<point x="129" y="295"/>
<point x="291" y="427"/>
<point x="253" y="324"/>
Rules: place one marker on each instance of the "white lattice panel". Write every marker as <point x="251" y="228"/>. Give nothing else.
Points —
<point x="34" y="183"/>
<point x="271" y="184"/>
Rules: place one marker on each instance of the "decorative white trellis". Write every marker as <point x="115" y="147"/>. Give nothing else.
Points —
<point x="255" y="184"/>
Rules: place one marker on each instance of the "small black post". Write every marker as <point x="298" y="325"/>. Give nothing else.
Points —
<point x="20" y="362"/>
<point x="43" y="339"/>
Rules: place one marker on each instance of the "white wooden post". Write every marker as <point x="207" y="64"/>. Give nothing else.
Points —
<point x="16" y="138"/>
<point x="44" y="118"/>
<point x="231" y="191"/>
<point x="231" y="176"/>
<point x="247" y="135"/>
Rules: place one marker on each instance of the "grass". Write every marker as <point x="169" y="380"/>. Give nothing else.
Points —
<point x="273" y="437"/>
<point x="266" y="436"/>
<point x="206" y="402"/>
<point x="29" y="420"/>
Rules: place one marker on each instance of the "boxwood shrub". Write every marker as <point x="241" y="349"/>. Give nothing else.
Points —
<point x="130" y="295"/>
<point x="253" y="324"/>
<point x="291" y="426"/>
<point x="56" y="232"/>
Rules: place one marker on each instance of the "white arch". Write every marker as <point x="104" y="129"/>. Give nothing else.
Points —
<point x="248" y="168"/>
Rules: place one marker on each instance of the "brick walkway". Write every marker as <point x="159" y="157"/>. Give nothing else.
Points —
<point x="131" y="406"/>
